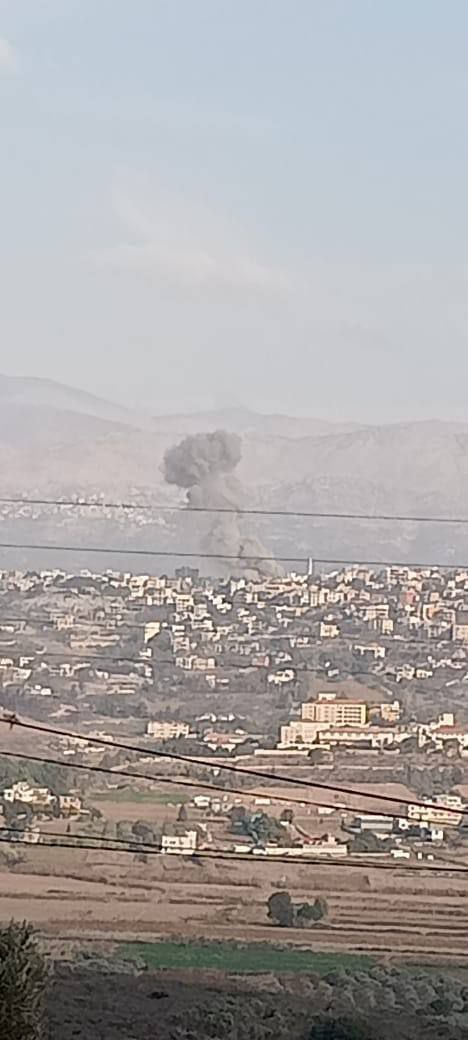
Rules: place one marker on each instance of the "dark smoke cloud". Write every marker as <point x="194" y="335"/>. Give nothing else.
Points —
<point x="204" y="464"/>
<point x="202" y="458"/>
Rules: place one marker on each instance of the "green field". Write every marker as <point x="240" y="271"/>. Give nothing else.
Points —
<point x="252" y="958"/>
<point x="127" y="794"/>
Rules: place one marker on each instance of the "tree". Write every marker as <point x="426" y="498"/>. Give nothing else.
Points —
<point x="237" y="816"/>
<point x="124" y="830"/>
<point x="143" y="831"/>
<point x="409" y="746"/>
<point x="318" y="756"/>
<point x="287" y="816"/>
<point x="263" y="828"/>
<point x="307" y="914"/>
<point x="182" y="814"/>
<point x="15" y="811"/>
<point x="366" y="841"/>
<point x="281" y="909"/>
<point x="340" y="1029"/>
<point x="320" y="908"/>
<point x="23" y="978"/>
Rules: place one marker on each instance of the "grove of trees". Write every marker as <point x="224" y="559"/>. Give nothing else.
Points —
<point x="283" y="912"/>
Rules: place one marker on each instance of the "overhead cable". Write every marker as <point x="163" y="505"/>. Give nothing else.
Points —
<point x="13" y="721"/>
<point x="73" y="503"/>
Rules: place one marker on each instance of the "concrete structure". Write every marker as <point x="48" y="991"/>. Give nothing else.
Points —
<point x="303" y="733"/>
<point x="460" y="628"/>
<point x="377" y="824"/>
<point x="390" y="711"/>
<point x="23" y="792"/>
<point x="180" y="844"/>
<point x="69" y="805"/>
<point x="443" y="811"/>
<point x="167" y="730"/>
<point x="335" y="711"/>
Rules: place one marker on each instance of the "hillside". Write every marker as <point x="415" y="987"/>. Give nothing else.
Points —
<point x="57" y="441"/>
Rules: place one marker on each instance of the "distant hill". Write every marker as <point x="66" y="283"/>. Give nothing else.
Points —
<point x="31" y="393"/>
<point x="244" y="421"/>
<point x="55" y="440"/>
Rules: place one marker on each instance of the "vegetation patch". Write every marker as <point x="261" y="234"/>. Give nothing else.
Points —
<point x="251" y="958"/>
<point x="128" y="794"/>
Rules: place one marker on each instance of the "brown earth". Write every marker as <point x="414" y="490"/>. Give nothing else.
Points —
<point x="75" y="893"/>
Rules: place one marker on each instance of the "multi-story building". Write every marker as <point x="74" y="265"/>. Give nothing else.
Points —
<point x="304" y="733"/>
<point x="335" y="711"/>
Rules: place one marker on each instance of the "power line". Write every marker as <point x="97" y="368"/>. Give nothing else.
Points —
<point x="164" y="553"/>
<point x="79" y="835"/>
<point x="296" y="513"/>
<point x="13" y="720"/>
<point x="183" y="554"/>
<point x="261" y="859"/>
<point x="128" y="774"/>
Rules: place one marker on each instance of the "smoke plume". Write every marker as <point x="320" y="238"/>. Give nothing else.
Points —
<point x="204" y="465"/>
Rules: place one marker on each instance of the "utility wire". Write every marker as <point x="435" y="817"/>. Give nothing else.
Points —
<point x="140" y="845"/>
<point x="66" y="503"/>
<point x="128" y="774"/>
<point x="13" y="720"/>
<point x="182" y="554"/>
<point x="165" y="553"/>
<point x="236" y="857"/>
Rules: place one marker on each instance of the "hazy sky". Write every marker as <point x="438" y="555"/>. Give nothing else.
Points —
<point x="254" y="202"/>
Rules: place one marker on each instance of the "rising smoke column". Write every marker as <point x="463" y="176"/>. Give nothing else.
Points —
<point x="204" y="464"/>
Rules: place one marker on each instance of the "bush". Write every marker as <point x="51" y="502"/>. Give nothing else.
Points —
<point x="340" y="1029"/>
<point x="23" y="977"/>
<point x="281" y="909"/>
<point x="307" y="914"/>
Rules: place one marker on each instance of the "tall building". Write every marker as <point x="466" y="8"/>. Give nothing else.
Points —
<point x="335" y="711"/>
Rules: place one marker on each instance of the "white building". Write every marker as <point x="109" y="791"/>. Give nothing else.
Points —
<point x="179" y="844"/>
<point x="23" y="792"/>
<point x="167" y="730"/>
<point x="442" y="811"/>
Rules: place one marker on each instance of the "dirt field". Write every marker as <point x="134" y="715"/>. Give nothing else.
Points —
<point x="70" y="893"/>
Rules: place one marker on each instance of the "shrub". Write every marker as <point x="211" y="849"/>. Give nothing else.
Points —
<point x="23" y="977"/>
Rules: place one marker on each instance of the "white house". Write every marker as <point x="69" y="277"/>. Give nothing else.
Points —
<point x="180" y="844"/>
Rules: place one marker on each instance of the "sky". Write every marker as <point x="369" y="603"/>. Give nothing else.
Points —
<point x="238" y="203"/>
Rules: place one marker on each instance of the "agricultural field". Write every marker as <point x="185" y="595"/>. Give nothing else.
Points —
<point x="242" y="958"/>
<point x="78" y="893"/>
